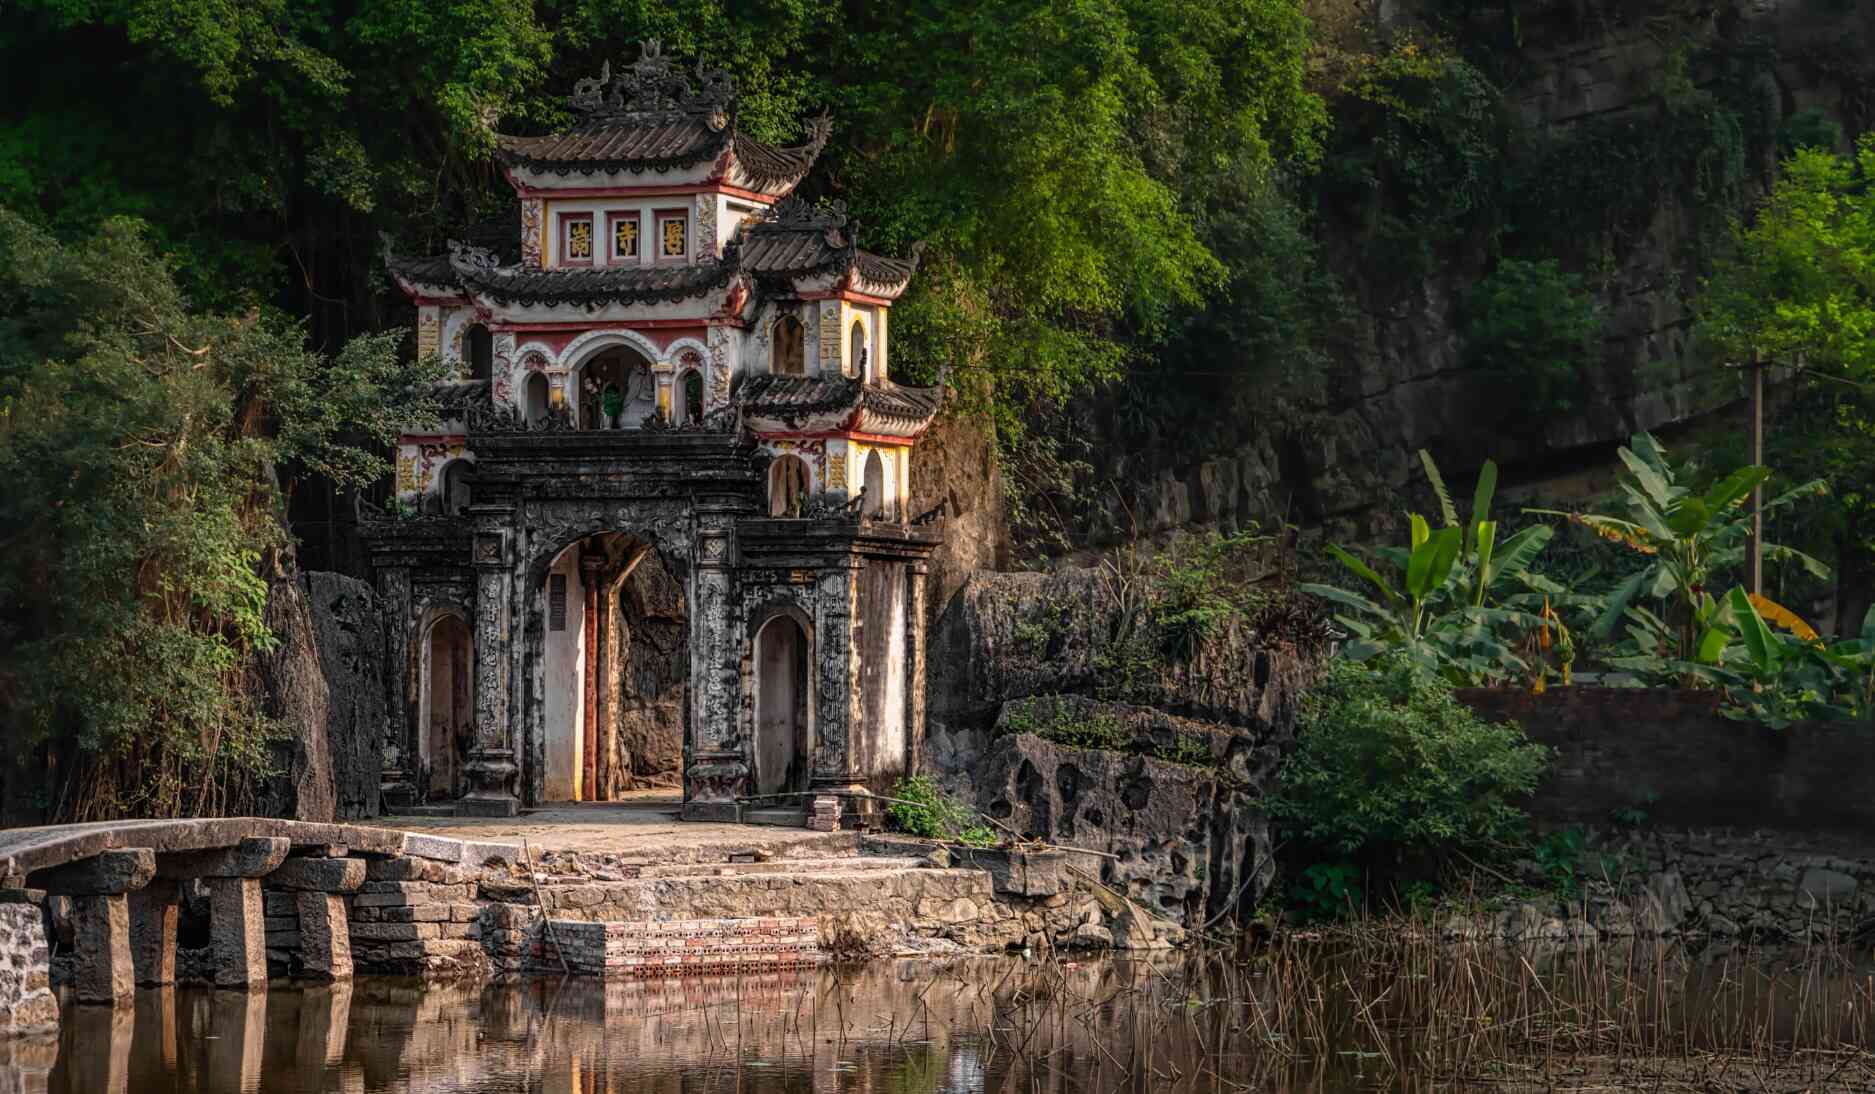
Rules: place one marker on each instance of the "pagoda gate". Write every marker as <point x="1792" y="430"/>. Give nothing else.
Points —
<point x="661" y="525"/>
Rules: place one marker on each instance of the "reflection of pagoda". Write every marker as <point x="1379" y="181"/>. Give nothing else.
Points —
<point x="674" y="411"/>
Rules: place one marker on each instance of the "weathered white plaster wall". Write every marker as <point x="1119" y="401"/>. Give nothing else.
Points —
<point x="563" y="679"/>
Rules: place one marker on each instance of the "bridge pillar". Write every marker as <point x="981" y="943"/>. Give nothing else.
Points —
<point x="237" y="931"/>
<point x="154" y="913"/>
<point x="101" y="940"/>
<point x="325" y="940"/>
<point x="101" y="919"/>
<point x="237" y="925"/>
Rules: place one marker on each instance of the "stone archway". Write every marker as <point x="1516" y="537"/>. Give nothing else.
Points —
<point x="446" y="716"/>
<point x="784" y="744"/>
<point x="608" y="669"/>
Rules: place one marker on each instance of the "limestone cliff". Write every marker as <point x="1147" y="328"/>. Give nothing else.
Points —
<point x="1562" y="74"/>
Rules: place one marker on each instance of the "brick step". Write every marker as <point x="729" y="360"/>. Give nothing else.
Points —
<point x="682" y="947"/>
<point x="799" y="867"/>
<point x="831" y="890"/>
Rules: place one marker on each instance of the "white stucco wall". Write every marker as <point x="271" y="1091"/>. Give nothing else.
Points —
<point x="563" y="679"/>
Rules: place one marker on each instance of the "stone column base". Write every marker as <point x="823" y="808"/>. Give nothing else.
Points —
<point x="490" y="772"/>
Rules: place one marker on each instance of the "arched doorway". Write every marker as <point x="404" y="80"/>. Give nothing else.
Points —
<point x="453" y="496"/>
<point x="788" y="357"/>
<point x="877" y="505"/>
<point x="447" y="717"/>
<point x="479" y="347"/>
<point x="615" y="390"/>
<point x="614" y="662"/>
<point x="536" y="398"/>
<point x="787" y="486"/>
<point x="784" y="745"/>
<point x="690" y="388"/>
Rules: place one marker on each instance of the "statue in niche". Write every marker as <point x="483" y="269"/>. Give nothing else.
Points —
<point x="617" y="393"/>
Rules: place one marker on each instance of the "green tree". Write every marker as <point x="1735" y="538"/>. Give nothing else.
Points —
<point x="1531" y="329"/>
<point x="1799" y="287"/>
<point x="1801" y="283"/>
<point x="138" y="441"/>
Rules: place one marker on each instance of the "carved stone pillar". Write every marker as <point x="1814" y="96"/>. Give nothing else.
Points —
<point x="835" y="675"/>
<point x="397" y="783"/>
<point x="716" y="769"/>
<point x="491" y="770"/>
<point x="916" y="579"/>
<point x="591" y="573"/>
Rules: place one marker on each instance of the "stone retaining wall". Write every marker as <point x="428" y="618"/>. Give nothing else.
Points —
<point x="1673" y="757"/>
<point x="684" y="947"/>
<point x="1695" y="823"/>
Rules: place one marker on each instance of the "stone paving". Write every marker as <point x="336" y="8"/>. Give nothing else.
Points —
<point x="642" y="828"/>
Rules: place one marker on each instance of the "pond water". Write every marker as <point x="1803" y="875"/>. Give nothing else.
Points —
<point x="914" y="1026"/>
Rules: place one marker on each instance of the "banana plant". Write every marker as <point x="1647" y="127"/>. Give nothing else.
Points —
<point x="1436" y="606"/>
<point x="1688" y="538"/>
<point x="1777" y="678"/>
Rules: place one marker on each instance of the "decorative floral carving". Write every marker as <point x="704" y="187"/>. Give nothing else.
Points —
<point x="533" y="216"/>
<point x="429" y="328"/>
<point x="706" y="227"/>
<point x="504" y="369"/>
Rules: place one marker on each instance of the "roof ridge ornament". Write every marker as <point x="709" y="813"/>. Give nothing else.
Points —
<point x="652" y="85"/>
<point x="797" y="212"/>
<point x="467" y="256"/>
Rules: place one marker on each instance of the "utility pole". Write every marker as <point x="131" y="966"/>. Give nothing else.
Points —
<point x="1755" y="557"/>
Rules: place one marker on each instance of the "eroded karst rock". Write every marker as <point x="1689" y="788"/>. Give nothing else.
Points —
<point x="1055" y="707"/>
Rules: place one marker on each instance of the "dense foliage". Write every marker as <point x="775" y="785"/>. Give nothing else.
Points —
<point x="1066" y="161"/>
<point x="141" y="519"/>
<point x="1389" y="766"/>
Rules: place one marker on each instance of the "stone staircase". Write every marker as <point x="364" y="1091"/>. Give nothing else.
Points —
<point x="680" y="918"/>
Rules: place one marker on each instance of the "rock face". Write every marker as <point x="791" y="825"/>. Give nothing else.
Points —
<point x="1052" y="708"/>
<point x="957" y="467"/>
<point x="350" y="640"/>
<point x="324" y="682"/>
<point x="1190" y="842"/>
<point x="1398" y="379"/>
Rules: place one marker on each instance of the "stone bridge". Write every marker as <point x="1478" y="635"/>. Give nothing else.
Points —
<point x="272" y="884"/>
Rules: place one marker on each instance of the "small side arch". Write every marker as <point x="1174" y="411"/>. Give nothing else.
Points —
<point x="788" y="486"/>
<point x="788" y="355"/>
<point x="781" y="647"/>
<point x="879" y="504"/>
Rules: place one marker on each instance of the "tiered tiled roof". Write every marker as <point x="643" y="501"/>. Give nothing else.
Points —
<point x="652" y="117"/>
<point x="794" y="241"/>
<point x="772" y="403"/>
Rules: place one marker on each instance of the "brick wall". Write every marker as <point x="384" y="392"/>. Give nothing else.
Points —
<point x="1673" y="755"/>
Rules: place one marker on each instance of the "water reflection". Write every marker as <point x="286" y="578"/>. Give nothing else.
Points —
<point x="976" y="1025"/>
<point x="901" y="1027"/>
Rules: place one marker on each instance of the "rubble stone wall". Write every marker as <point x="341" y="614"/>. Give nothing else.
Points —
<point x="1697" y="823"/>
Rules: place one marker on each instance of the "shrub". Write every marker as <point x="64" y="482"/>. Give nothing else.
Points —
<point x="1389" y="765"/>
<point x="924" y="810"/>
